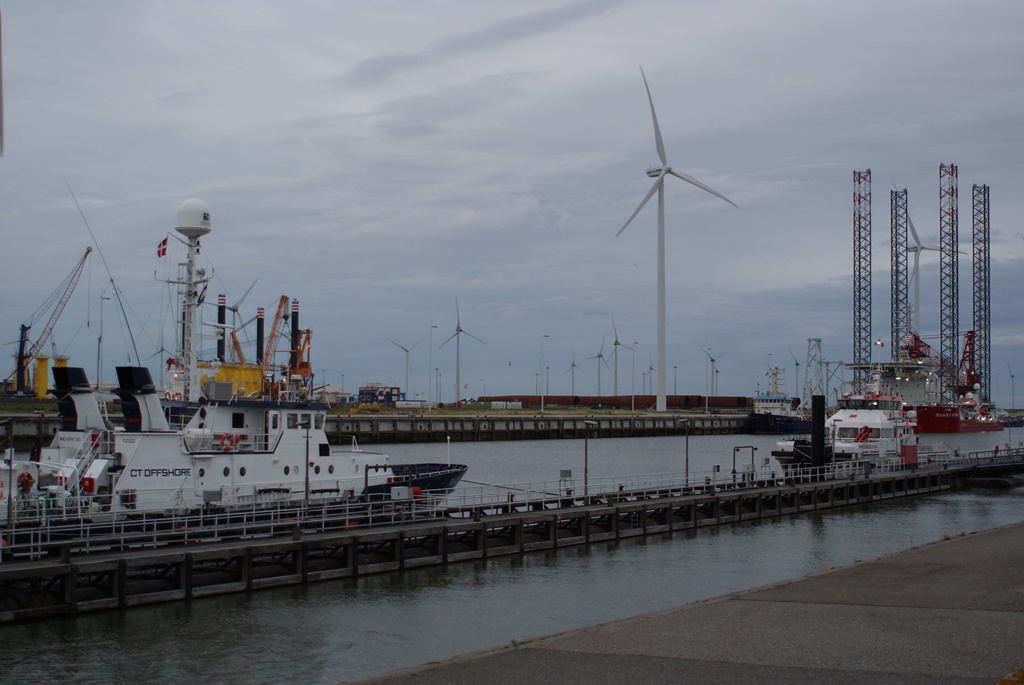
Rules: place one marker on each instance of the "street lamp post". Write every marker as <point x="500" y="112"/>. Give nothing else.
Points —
<point x="430" y="363"/>
<point x="438" y="372"/>
<point x="540" y="379"/>
<point x="675" y="379"/>
<point x="586" y="459"/>
<point x="485" y="385"/>
<point x="632" y="381"/>
<point x="686" y="451"/>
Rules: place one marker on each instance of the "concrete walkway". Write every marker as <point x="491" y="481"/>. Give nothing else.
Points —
<point x="948" y="612"/>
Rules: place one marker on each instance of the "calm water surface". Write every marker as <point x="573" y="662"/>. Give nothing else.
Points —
<point x="348" y="629"/>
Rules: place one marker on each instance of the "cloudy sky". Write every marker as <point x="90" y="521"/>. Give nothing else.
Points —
<point x="379" y="161"/>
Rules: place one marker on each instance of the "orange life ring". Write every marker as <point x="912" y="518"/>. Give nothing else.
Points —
<point x="25" y="482"/>
<point x="983" y="410"/>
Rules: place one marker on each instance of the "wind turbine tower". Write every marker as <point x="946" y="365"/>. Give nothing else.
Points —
<point x="659" y="173"/>
<point x="408" y="364"/>
<point x="459" y="332"/>
<point x="615" y="353"/>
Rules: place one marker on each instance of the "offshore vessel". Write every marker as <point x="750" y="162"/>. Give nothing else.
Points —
<point x="234" y="452"/>
<point x="873" y="427"/>
<point x="775" y="412"/>
<point x="916" y="375"/>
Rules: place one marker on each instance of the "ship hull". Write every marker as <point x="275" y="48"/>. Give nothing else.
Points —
<point x="774" y="424"/>
<point x="945" y="419"/>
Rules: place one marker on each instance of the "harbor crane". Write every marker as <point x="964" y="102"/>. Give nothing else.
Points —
<point x="25" y="358"/>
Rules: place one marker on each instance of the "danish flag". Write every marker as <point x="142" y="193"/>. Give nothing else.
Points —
<point x="161" y="249"/>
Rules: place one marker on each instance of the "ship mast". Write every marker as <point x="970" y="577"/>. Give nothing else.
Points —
<point x="193" y="223"/>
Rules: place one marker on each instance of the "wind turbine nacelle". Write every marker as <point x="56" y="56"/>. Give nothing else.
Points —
<point x="193" y="219"/>
<point x="654" y="171"/>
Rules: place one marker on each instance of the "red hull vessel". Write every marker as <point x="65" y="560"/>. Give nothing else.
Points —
<point x="947" y="419"/>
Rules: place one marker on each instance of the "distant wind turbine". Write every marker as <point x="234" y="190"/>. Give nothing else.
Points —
<point x="659" y="174"/>
<point x="408" y="364"/>
<point x="712" y="378"/>
<point x="600" y="358"/>
<point x="1013" y="392"/>
<point x="459" y="332"/>
<point x="796" y="393"/>
<point x="615" y="354"/>
<point x="572" y="368"/>
<point x="233" y="308"/>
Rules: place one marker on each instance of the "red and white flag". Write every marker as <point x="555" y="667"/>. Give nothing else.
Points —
<point x="161" y="249"/>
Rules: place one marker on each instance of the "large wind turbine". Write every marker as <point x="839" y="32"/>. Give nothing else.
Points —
<point x="407" y="363"/>
<point x="916" y="249"/>
<point x="458" y="336"/>
<point x="659" y="174"/>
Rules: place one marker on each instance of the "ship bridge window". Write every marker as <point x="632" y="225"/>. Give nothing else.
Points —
<point x="293" y="420"/>
<point x="237" y="419"/>
<point x="319" y="423"/>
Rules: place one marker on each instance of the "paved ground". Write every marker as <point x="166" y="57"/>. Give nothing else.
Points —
<point x="949" y="612"/>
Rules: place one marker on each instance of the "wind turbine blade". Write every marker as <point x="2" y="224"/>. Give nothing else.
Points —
<point x="448" y="340"/>
<point x="238" y="304"/>
<point x="418" y="342"/>
<point x="475" y="338"/>
<point x="654" y="118"/>
<point x="402" y="347"/>
<point x="1" y="90"/>
<point x="458" y="321"/>
<point x="707" y="353"/>
<point x="692" y="180"/>
<point x="913" y="231"/>
<point x="650" y="193"/>
<point x="616" y="332"/>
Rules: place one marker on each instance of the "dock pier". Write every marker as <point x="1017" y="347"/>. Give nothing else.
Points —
<point x="371" y="429"/>
<point x="178" y="562"/>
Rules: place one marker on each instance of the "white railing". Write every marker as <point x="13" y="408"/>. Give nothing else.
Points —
<point x="40" y="526"/>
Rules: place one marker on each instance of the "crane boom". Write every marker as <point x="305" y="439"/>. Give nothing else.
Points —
<point x="60" y="306"/>
<point x="275" y="331"/>
<point x="25" y="358"/>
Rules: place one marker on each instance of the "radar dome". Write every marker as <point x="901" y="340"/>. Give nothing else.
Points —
<point x="193" y="219"/>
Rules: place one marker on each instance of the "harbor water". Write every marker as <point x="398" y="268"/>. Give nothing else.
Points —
<point x="348" y="629"/>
